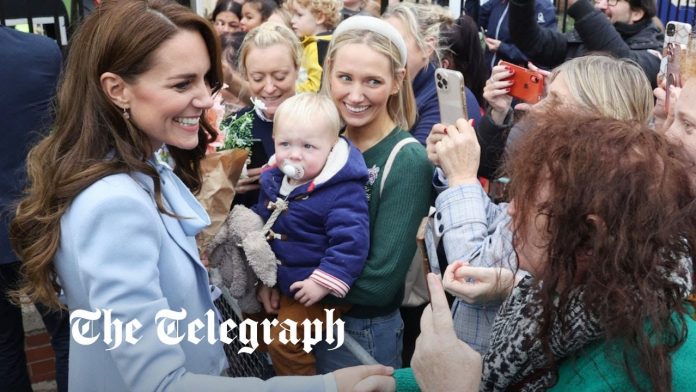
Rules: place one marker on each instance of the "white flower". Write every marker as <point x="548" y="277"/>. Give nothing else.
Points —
<point x="258" y="103"/>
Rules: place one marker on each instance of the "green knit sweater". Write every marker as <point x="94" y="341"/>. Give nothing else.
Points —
<point x="394" y="218"/>
<point x="599" y="368"/>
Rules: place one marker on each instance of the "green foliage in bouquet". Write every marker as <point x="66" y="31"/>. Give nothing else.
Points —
<point x="237" y="132"/>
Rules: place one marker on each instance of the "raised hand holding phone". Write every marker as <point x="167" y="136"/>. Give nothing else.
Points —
<point x="436" y="134"/>
<point x="496" y="92"/>
<point x="459" y="154"/>
<point x="527" y="85"/>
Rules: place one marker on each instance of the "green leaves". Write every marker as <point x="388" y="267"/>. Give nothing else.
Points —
<point x="238" y="132"/>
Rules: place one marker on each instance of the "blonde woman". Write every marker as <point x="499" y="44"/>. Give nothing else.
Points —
<point x="367" y="78"/>
<point x="419" y="25"/>
<point x="269" y="62"/>
<point x="596" y="83"/>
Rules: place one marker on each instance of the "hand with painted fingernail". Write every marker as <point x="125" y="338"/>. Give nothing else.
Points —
<point x="496" y="92"/>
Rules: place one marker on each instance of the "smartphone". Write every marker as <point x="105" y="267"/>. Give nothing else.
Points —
<point x="676" y="36"/>
<point x="427" y="248"/>
<point x="675" y="46"/>
<point x="451" y="95"/>
<point x="527" y="85"/>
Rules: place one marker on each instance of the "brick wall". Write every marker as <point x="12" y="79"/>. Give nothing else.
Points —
<point x="41" y="360"/>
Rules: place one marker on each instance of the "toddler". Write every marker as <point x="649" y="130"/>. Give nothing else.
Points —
<point x="320" y="233"/>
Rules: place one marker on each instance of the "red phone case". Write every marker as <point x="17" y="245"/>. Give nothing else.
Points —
<point x="528" y="85"/>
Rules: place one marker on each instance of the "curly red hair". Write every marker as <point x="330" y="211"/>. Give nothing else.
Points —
<point x="621" y="224"/>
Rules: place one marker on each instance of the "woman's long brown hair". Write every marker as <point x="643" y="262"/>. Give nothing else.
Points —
<point x="90" y="138"/>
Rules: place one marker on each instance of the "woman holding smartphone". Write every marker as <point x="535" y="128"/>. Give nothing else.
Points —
<point x="473" y="227"/>
<point x="588" y="82"/>
<point x="603" y="218"/>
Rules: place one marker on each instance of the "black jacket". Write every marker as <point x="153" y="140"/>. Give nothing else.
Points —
<point x="593" y="33"/>
<point x="492" y="139"/>
<point x="29" y="72"/>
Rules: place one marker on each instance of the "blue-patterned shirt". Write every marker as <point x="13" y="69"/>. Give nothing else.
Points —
<point x="476" y="230"/>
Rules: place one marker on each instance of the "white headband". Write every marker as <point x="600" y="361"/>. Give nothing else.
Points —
<point x="375" y="25"/>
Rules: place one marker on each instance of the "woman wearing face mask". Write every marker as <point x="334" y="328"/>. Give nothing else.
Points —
<point x="269" y="61"/>
<point x="112" y="228"/>
<point x="474" y="228"/>
<point x="366" y="76"/>
<point x="419" y="25"/>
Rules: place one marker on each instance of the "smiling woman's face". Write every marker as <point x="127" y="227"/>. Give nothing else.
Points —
<point x="272" y="74"/>
<point x="361" y="84"/>
<point x="167" y="101"/>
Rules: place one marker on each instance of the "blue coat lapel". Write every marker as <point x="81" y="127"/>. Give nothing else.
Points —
<point x="178" y="200"/>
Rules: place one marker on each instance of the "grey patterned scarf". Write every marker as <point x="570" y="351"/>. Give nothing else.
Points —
<point x="516" y="360"/>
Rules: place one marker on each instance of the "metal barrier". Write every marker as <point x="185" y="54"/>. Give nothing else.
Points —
<point x="45" y="17"/>
<point x="53" y="18"/>
<point x="257" y="364"/>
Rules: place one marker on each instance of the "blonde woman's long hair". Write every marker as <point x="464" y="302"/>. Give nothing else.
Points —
<point x="423" y="22"/>
<point x="401" y="106"/>
<point x="615" y="88"/>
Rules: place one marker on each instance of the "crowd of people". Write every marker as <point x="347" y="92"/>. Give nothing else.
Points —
<point x="579" y="278"/>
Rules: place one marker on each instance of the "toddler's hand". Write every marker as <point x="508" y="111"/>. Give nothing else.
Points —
<point x="309" y="292"/>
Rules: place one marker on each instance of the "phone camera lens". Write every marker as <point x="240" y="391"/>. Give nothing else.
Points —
<point x="444" y="82"/>
<point x="439" y="77"/>
<point x="670" y="30"/>
<point x="439" y="85"/>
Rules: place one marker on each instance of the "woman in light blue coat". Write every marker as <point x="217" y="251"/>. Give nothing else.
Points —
<point x="113" y="228"/>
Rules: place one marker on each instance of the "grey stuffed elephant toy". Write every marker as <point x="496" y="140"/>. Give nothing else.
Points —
<point x="243" y="256"/>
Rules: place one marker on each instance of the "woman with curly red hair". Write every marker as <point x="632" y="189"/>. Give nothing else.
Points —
<point x="603" y="219"/>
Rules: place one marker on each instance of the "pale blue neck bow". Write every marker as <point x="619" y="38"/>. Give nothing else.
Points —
<point x="179" y="201"/>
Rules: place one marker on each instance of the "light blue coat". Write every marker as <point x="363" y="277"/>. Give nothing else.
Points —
<point x="118" y="252"/>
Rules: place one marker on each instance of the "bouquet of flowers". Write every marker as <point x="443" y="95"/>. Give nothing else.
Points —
<point x="224" y="162"/>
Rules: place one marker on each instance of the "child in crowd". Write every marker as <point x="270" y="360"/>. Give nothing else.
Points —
<point x="313" y="21"/>
<point x="255" y="12"/>
<point x="314" y="194"/>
